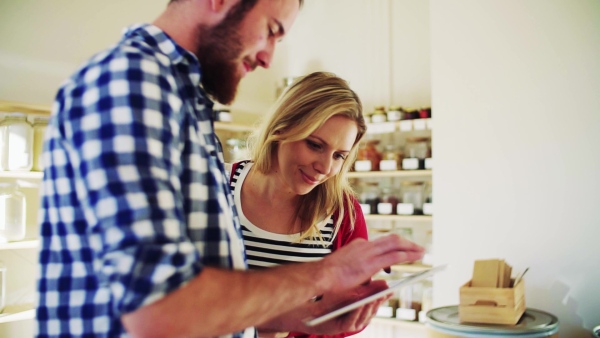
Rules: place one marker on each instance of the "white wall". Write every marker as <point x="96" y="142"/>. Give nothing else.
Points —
<point x="514" y="86"/>
<point x="43" y="42"/>
<point x="516" y="96"/>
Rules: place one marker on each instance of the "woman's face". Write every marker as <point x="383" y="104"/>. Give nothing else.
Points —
<point x="302" y="165"/>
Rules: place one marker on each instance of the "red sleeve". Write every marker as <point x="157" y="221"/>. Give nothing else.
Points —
<point x="344" y="236"/>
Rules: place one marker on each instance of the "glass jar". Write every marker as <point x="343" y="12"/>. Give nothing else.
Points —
<point x="379" y="115"/>
<point x="3" y="281"/>
<point x="18" y="143"/>
<point x="389" y="201"/>
<point x="428" y="202"/>
<point x="285" y="83"/>
<point x="412" y="199"/>
<point x="427" y="299"/>
<point x="391" y="158"/>
<point x="236" y="150"/>
<point x="395" y="113"/>
<point x="12" y="212"/>
<point x="410" y="302"/>
<point x="416" y="151"/>
<point x="367" y="151"/>
<point x="369" y="198"/>
<point x="39" y="130"/>
<point x="3" y="147"/>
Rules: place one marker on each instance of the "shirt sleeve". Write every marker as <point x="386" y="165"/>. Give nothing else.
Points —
<point x="122" y="130"/>
<point x="346" y="233"/>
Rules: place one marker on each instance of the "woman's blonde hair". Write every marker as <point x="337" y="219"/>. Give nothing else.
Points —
<point x="303" y="108"/>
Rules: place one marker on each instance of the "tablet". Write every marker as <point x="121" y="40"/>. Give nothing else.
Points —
<point x="392" y="286"/>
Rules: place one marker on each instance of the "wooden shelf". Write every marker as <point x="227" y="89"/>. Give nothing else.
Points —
<point x="18" y="107"/>
<point x="398" y="323"/>
<point x="396" y="173"/>
<point x="24" y="244"/>
<point x="13" y="313"/>
<point x="400" y="126"/>
<point x="37" y="175"/>
<point x="410" y="268"/>
<point x="406" y="218"/>
<point x="223" y="126"/>
<point x="33" y="109"/>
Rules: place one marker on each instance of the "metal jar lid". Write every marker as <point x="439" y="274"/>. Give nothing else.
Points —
<point x="532" y="321"/>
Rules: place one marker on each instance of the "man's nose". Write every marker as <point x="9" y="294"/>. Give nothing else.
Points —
<point x="265" y="56"/>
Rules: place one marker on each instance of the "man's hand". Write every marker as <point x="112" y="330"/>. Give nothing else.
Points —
<point x="352" y="321"/>
<point x="361" y="259"/>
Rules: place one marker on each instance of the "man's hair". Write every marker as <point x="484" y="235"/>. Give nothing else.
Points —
<point x="252" y="2"/>
<point x="303" y="108"/>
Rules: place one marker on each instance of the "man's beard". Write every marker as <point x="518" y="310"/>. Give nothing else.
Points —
<point x="218" y="50"/>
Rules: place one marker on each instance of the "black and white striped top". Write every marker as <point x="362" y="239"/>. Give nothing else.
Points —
<point x="267" y="249"/>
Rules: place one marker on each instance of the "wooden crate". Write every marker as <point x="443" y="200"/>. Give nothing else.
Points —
<point x="492" y="305"/>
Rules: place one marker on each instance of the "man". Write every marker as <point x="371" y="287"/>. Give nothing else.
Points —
<point x="139" y="233"/>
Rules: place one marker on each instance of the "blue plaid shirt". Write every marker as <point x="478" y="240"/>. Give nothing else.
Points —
<point x="135" y="199"/>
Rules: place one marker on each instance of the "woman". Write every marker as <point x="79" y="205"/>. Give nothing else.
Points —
<point x="293" y="198"/>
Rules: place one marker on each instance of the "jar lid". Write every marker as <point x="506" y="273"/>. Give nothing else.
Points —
<point x="8" y="185"/>
<point x="417" y="139"/>
<point x="532" y="321"/>
<point x="43" y="119"/>
<point x="16" y="115"/>
<point x="395" y="108"/>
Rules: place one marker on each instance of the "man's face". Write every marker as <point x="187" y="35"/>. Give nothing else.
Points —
<point x="240" y="43"/>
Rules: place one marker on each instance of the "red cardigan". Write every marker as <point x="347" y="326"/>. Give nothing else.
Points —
<point x="344" y="236"/>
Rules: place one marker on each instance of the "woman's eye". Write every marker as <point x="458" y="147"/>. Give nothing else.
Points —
<point x="340" y="157"/>
<point x="313" y="145"/>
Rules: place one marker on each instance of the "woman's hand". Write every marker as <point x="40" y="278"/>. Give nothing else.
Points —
<point x="352" y="321"/>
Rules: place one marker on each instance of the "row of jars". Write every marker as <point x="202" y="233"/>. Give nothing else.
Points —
<point x="12" y="212"/>
<point x="410" y="303"/>
<point x="412" y="198"/>
<point x="415" y="154"/>
<point x="396" y="113"/>
<point x="21" y="142"/>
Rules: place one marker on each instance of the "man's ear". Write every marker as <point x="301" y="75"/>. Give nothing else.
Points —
<point x="221" y="5"/>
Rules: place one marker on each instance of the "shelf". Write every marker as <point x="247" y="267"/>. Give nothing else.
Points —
<point x="398" y="323"/>
<point x="13" y="313"/>
<point x="38" y="175"/>
<point x="407" y="218"/>
<point x="11" y="106"/>
<point x="399" y="126"/>
<point x="410" y="268"/>
<point x="18" y="107"/>
<point x="223" y="126"/>
<point x="396" y="173"/>
<point x="25" y="244"/>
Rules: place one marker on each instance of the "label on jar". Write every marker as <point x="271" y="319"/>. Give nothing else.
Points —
<point x="366" y="208"/>
<point x="384" y="208"/>
<point x="410" y="164"/>
<point x="377" y="118"/>
<point x="224" y="116"/>
<point x="19" y="147"/>
<point x="362" y="165"/>
<point x="406" y="314"/>
<point x="394" y="115"/>
<point x="385" y="311"/>
<point x="428" y="208"/>
<point x="419" y="124"/>
<point x="429" y="163"/>
<point x="406" y="125"/>
<point x="381" y="128"/>
<point x="405" y="209"/>
<point x="388" y="165"/>
<point x="429" y="124"/>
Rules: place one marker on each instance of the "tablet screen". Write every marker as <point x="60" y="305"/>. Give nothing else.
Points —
<point x="392" y="286"/>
